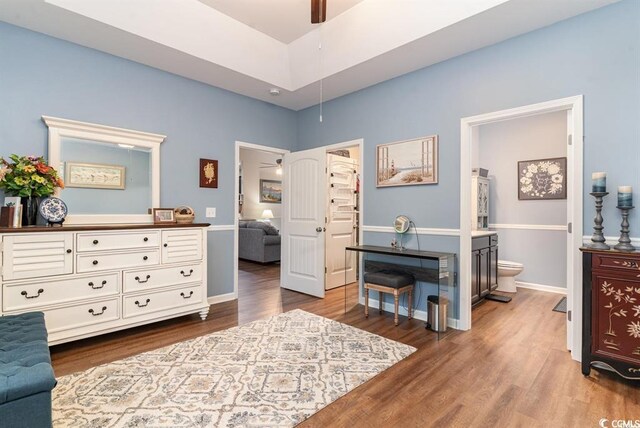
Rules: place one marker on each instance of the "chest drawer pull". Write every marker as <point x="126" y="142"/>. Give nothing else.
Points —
<point x="145" y="239"/>
<point x="187" y="297"/>
<point x="185" y="274"/>
<point x="145" y="258"/>
<point x="95" y="262"/>
<point x="165" y="245"/>
<point x="138" y="304"/>
<point x="92" y="285"/>
<point x="137" y="278"/>
<point x="69" y="251"/>
<point x="95" y="314"/>
<point x="25" y="294"/>
<point x="95" y="242"/>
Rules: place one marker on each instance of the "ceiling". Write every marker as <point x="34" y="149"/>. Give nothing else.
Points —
<point x="251" y="46"/>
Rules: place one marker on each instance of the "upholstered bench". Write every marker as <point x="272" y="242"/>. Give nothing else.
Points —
<point x="391" y="282"/>
<point x="26" y="375"/>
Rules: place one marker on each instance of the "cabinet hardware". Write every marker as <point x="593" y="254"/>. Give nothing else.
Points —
<point x="69" y="251"/>
<point x="137" y="278"/>
<point x="92" y="285"/>
<point x="145" y="258"/>
<point x="145" y="239"/>
<point x="165" y="245"/>
<point x="25" y="294"/>
<point x="187" y="297"/>
<point x="95" y="242"/>
<point x="95" y="314"/>
<point x="140" y="305"/>
<point x="186" y="275"/>
<point x="95" y="262"/>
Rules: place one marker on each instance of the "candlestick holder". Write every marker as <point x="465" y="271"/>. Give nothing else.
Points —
<point x="624" y="243"/>
<point x="597" y="239"/>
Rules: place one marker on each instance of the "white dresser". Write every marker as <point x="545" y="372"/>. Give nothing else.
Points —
<point x="91" y="280"/>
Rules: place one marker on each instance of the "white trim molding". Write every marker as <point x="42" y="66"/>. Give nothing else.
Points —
<point x="220" y="227"/>
<point x="420" y="230"/>
<point x="541" y="287"/>
<point x="220" y="298"/>
<point x="558" y="227"/>
<point x="610" y="240"/>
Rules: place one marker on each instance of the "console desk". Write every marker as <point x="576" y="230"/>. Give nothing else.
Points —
<point x="91" y="280"/>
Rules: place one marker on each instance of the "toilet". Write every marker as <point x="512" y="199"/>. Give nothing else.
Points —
<point x="507" y="271"/>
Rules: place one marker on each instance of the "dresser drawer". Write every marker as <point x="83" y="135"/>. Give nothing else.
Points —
<point x="161" y="300"/>
<point x="98" y="262"/>
<point x="82" y="315"/>
<point x="42" y="293"/>
<point x="617" y="263"/>
<point x="117" y="241"/>
<point x="159" y="277"/>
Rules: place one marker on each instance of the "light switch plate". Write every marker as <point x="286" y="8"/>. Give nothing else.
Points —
<point x="211" y="212"/>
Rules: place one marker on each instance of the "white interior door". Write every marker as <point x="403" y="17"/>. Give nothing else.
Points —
<point x="303" y="222"/>
<point x="341" y="220"/>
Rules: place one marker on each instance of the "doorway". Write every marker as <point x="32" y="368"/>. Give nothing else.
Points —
<point x="322" y="208"/>
<point x="470" y="130"/>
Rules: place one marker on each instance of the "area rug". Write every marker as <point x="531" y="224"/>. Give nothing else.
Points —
<point x="269" y="373"/>
<point x="561" y="306"/>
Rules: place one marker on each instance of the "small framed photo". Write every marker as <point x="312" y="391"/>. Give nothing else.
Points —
<point x="164" y="215"/>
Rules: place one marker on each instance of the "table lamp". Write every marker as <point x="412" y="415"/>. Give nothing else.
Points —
<point x="267" y="215"/>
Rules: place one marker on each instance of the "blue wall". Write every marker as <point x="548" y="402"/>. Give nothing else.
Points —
<point x="40" y="75"/>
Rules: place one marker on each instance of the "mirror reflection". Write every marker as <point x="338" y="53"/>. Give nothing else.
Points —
<point x="402" y="223"/>
<point x="105" y="178"/>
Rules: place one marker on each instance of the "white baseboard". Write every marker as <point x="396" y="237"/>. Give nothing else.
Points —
<point x="221" y="298"/>
<point x="417" y="313"/>
<point x="541" y="287"/>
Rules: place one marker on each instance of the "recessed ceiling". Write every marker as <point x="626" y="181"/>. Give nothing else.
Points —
<point x="251" y="46"/>
<point x="284" y="20"/>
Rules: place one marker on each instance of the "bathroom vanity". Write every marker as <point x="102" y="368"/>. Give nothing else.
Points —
<point x="484" y="264"/>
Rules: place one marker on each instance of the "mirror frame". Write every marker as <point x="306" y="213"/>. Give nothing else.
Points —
<point x="405" y="220"/>
<point x="60" y="128"/>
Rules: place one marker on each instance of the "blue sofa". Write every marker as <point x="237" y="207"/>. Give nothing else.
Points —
<point x="26" y="375"/>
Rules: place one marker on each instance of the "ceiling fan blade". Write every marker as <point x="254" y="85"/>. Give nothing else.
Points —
<point x="318" y="11"/>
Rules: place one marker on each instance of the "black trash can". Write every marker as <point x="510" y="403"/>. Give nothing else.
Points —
<point x="437" y="313"/>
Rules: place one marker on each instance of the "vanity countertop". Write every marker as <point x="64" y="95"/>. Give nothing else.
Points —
<point x="476" y="233"/>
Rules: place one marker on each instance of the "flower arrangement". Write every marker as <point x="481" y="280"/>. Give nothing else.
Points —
<point x="27" y="176"/>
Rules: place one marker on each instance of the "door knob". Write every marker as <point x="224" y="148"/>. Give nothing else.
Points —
<point x="318" y="229"/>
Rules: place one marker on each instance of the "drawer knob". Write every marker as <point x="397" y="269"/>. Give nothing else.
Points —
<point x="69" y="251"/>
<point x="26" y="295"/>
<point x="95" y="314"/>
<point x="95" y="287"/>
<point x="95" y="262"/>
<point x="165" y="245"/>
<point x="187" y="274"/>
<point x="95" y="242"/>
<point x="142" y="281"/>
<point x="145" y="258"/>
<point x="145" y="239"/>
<point x="187" y="297"/>
<point x="140" y="305"/>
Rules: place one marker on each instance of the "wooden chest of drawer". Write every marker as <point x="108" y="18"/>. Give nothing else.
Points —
<point x="97" y="241"/>
<point x="161" y="276"/>
<point x="147" y="303"/>
<point x="82" y="315"/>
<point x="99" y="262"/>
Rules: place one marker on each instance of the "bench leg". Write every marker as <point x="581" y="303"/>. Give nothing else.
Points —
<point x="396" y="299"/>
<point x="366" y="302"/>
<point x="410" y="308"/>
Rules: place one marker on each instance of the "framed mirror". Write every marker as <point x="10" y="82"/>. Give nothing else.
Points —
<point x="111" y="175"/>
<point x="401" y="224"/>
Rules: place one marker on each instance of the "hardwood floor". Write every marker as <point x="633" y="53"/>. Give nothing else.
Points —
<point x="511" y="369"/>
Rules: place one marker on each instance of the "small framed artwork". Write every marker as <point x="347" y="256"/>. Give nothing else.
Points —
<point x="271" y="191"/>
<point x="209" y="173"/>
<point x="164" y="215"/>
<point x="542" y="179"/>
<point x="94" y="176"/>
<point x="407" y="163"/>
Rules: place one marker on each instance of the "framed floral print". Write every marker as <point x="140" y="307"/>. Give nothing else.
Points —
<point x="209" y="173"/>
<point x="542" y="179"/>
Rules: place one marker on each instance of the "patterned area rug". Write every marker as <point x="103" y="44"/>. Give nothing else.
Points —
<point x="268" y="373"/>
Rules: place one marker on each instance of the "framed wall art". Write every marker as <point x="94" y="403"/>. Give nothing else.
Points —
<point x="542" y="179"/>
<point x="271" y="191"/>
<point x="209" y="173"/>
<point x="406" y="163"/>
<point x="94" y="175"/>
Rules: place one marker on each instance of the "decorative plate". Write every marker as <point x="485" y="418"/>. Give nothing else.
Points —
<point x="53" y="209"/>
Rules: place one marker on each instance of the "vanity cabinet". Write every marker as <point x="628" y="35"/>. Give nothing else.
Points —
<point x="611" y="312"/>
<point x="91" y="280"/>
<point x="484" y="266"/>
